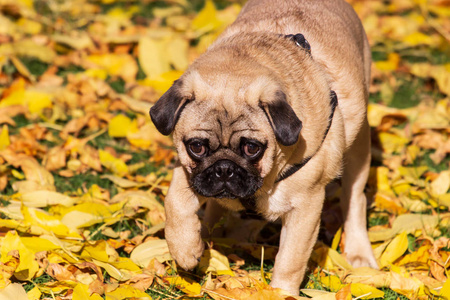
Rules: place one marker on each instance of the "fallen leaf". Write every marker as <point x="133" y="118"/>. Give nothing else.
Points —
<point x="215" y="262"/>
<point x="13" y="291"/>
<point x="157" y="249"/>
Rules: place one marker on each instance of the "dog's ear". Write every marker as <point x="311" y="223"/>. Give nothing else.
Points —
<point x="285" y="123"/>
<point x="167" y="110"/>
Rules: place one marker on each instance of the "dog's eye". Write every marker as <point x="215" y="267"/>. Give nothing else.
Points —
<point x="197" y="148"/>
<point x="252" y="150"/>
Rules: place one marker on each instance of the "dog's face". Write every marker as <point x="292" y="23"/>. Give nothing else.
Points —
<point x="229" y="117"/>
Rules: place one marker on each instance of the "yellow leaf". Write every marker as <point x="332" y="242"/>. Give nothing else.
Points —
<point x="87" y="214"/>
<point x="441" y="73"/>
<point x="22" y="69"/>
<point x="35" y="101"/>
<point x="34" y="294"/>
<point x="391" y="142"/>
<point x="419" y="38"/>
<point x="364" y="291"/>
<point x="188" y="286"/>
<point x="120" y="126"/>
<point x="27" y="3"/>
<point x="123" y="14"/>
<point x="120" y="275"/>
<point x="164" y="81"/>
<point x="368" y="276"/>
<point x="406" y="285"/>
<point x="152" y="57"/>
<point x="326" y="296"/>
<point x="386" y="201"/>
<point x="123" y="65"/>
<point x="442" y="76"/>
<point x="96" y="73"/>
<point x="331" y="282"/>
<point x="394" y="250"/>
<point x="336" y="239"/>
<point x="167" y="11"/>
<point x="11" y="224"/>
<point x="444" y="200"/>
<point x="122" y="182"/>
<point x="406" y="222"/>
<point x="391" y="64"/>
<point x="46" y="198"/>
<point x="376" y="112"/>
<point x="445" y="291"/>
<point x="441" y="184"/>
<point x="124" y="263"/>
<point x="416" y="206"/>
<point x="126" y="292"/>
<point x="81" y="292"/>
<point x="101" y="251"/>
<point x="412" y="174"/>
<point x="338" y="260"/>
<point x="28" y="266"/>
<point x="37" y="244"/>
<point x="4" y="137"/>
<point x="13" y="291"/>
<point x="116" y="165"/>
<point x="80" y="40"/>
<point x="206" y="20"/>
<point x="17" y="174"/>
<point x="314" y="293"/>
<point x="177" y="50"/>
<point x="382" y="179"/>
<point x="44" y="223"/>
<point x="29" y="26"/>
<point x="401" y="187"/>
<point x="215" y="262"/>
<point x="134" y="199"/>
<point x="153" y="249"/>
<point x="421" y="255"/>
<point x="31" y="49"/>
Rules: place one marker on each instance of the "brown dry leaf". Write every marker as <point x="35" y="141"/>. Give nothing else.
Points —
<point x="406" y="285"/>
<point x="34" y="172"/>
<point x="59" y="272"/>
<point x="368" y="276"/>
<point x="345" y="293"/>
<point x="55" y="158"/>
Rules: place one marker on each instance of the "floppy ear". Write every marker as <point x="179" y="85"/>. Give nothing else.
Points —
<point x="285" y="123"/>
<point x="166" y="111"/>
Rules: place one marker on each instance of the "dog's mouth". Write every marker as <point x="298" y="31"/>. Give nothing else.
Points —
<point x="225" y="194"/>
<point x="225" y="179"/>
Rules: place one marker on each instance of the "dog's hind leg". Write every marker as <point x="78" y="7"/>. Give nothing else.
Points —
<point x="353" y="201"/>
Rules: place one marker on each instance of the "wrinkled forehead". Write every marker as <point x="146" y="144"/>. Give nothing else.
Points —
<point x="229" y="90"/>
<point x="223" y="123"/>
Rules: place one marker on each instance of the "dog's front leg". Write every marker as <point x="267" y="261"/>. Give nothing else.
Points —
<point x="298" y="236"/>
<point x="182" y="223"/>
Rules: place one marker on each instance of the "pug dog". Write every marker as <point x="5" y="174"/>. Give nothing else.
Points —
<point x="272" y="112"/>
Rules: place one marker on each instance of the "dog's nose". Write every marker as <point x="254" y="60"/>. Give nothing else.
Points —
<point x="224" y="170"/>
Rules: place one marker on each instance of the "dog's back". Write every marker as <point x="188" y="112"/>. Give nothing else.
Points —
<point x="338" y="43"/>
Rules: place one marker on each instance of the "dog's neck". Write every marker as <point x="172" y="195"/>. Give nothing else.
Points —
<point x="295" y="167"/>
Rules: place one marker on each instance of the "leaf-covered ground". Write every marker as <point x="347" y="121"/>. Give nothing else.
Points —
<point x="83" y="172"/>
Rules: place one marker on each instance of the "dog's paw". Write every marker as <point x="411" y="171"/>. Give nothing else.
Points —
<point x="188" y="259"/>
<point x="360" y="254"/>
<point x="358" y="249"/>
<point x="362" y="260"/>
<point x="185" y="247"/>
